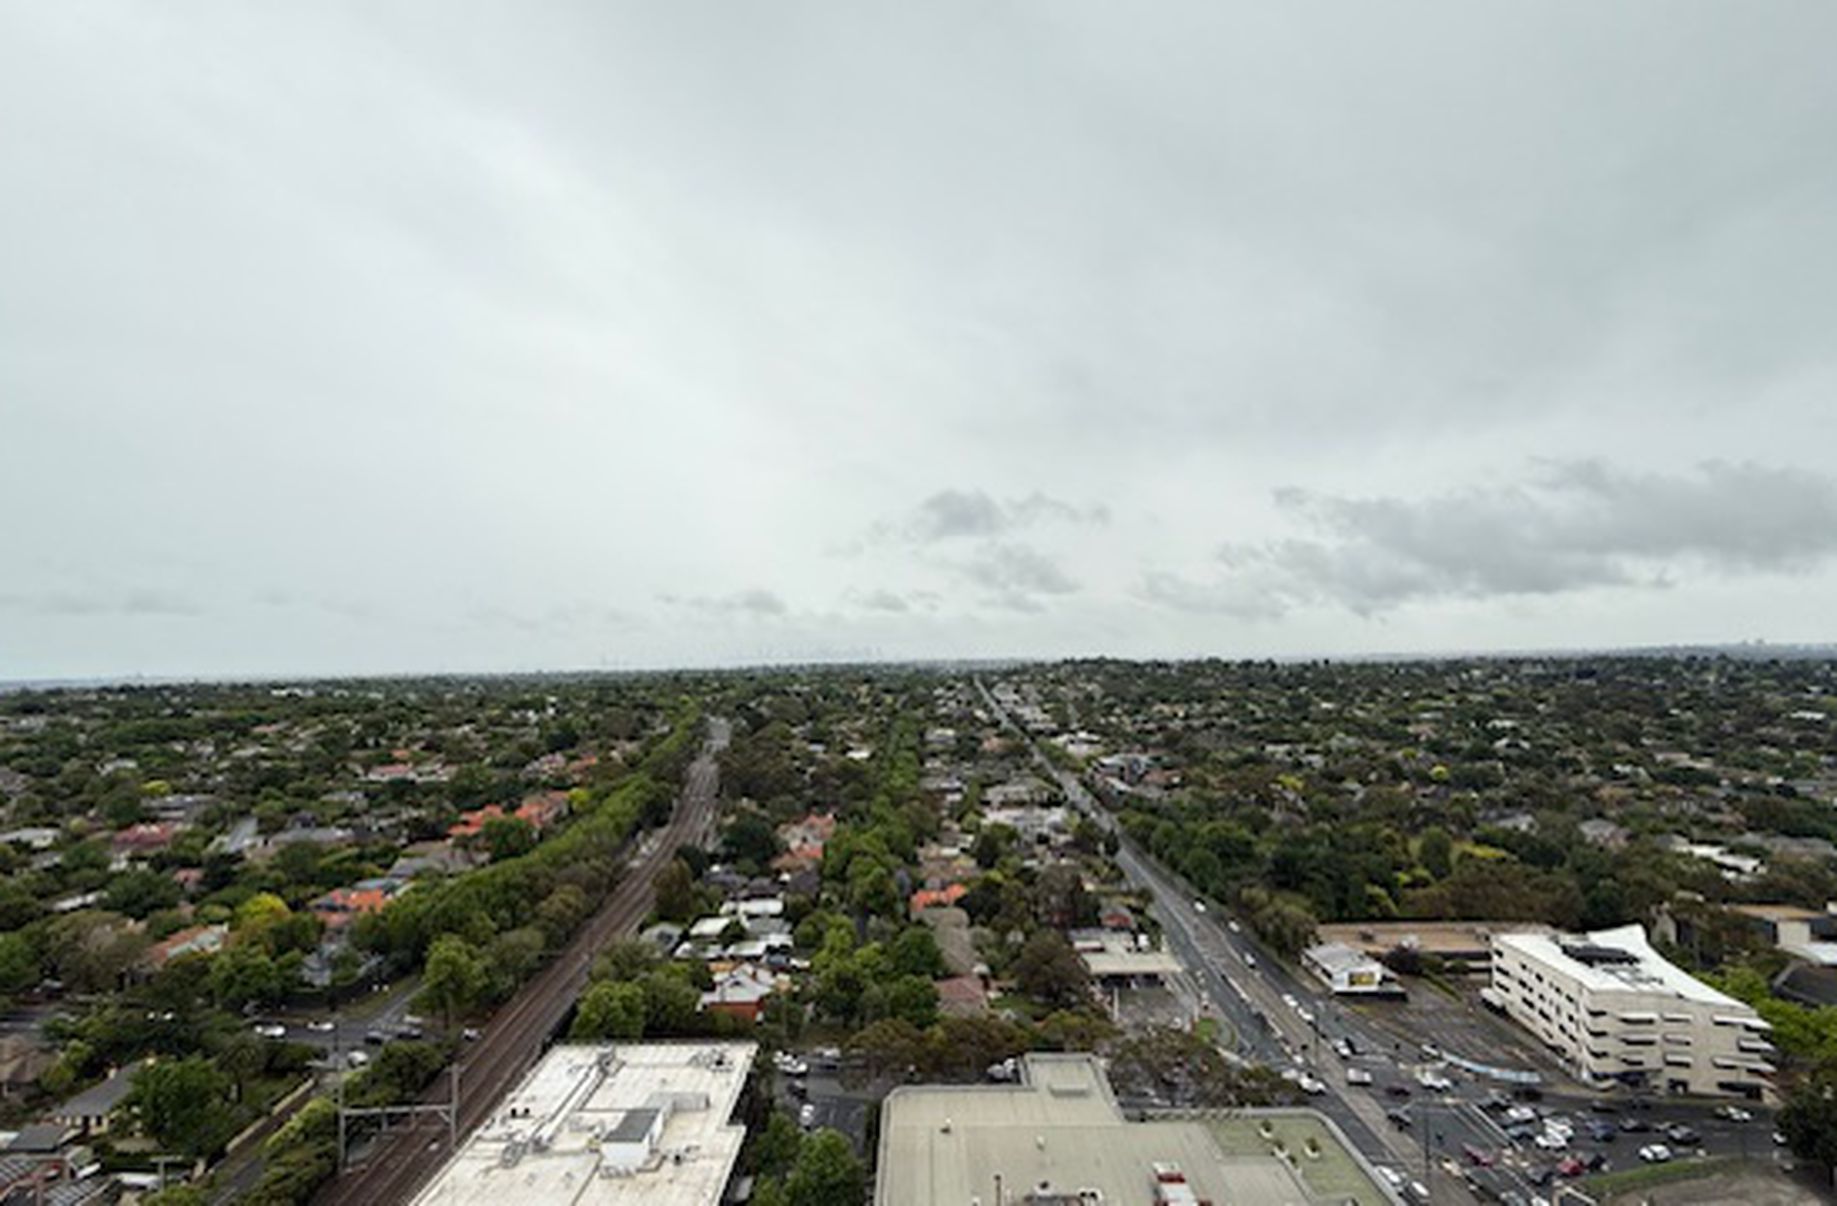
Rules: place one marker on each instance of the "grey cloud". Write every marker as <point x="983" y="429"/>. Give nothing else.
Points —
<point x="957" y="514"/>
<point x="1015" y="576"/>
<point x="885" y="600"/>
<point x="1571" y="526"/>
<point x="129" y="601"/>
<point x="1228" y="597"/>
<point x="755" y="602"/>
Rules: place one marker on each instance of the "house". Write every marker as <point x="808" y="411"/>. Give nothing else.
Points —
<point x="1802" y="933"/>
<point x="22" y="1062"/>
<point x="804" y="841"/>
<point x="197" y="940"/>
<point x="962" y="997"/>
<point x="93" y="1110"/>
<point x="339" y="907"/>
<point x="741" y="992"/>
<point x="471" y="824"/>
<point x="545" y="810"/>
<point x="1604" y="833"/>
<point x="145" y="838"/>
<point x="935" y="898"/>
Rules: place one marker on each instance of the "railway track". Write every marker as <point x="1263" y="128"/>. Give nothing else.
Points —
<point x="399" y="1163"/>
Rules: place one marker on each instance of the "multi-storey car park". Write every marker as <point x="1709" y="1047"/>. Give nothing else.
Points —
<point x="1616" y="1012"/>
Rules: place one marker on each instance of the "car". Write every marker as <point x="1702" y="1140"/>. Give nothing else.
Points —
<point x="806" y="1115"/>
<point x="1199" y="906"/>
<point x="1633" y="1122"/>
<point x="1779" y="1138"/>
<point x="1601" y="1105"/>
<point x="1416" y="1191"/>
<point x="1358" y="1076"/>
<point x="471" y="1034"/>
<point x="1342" y="1048"/>
<point x="1594" y="1161"/>
<point x="1520" y="1132"/>
<point x="1400" y="1118"/>
<point x="1391" y="1176"/>
<point x="1520" y="1114"/>
<point x="357" y="1059"/>
<point x="1734" y="1113"/>
<point x="1250" y="960"/>
<point x="1551" y="1141"/>
<point x="1311" y="1086"/>
<point x="322" y="1026"/>
<point x="1479" y="1157"/>
<point x="412" y="1033"/>
<point x="1602" y="1132"/>
<point x="1655" y="1153"/>
<point x="1682" y="1135"/>
<point x="1431" y="1051"/>
<point x="375" y="1038"/>
<point x="413" y="1019"/>
<point x="1306" y="1015"/>
<point x="1233" y="926"/>
<point x="1569" y="1166"/>
<point x="1397" y="1090"/>
<point x="271" y="1030"/>
<point x="1288" y="999"/>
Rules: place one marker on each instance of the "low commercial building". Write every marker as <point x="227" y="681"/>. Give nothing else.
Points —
<point x="1057" y="1138"/>
<point x="1615" y="1011"/>
<point x="1349" y="973"/>
<point x="593" y="1125"/>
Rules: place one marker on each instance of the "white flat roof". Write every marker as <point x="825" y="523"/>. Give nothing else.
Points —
<point x="543" y="1145"/>
<point x="1648" y="972"/>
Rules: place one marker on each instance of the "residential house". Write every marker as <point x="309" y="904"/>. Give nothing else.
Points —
<point x="144" y="839"/>
<point x="93" y="1110"/>
<point x="196" y="940"/>
<point x="741" y="992"/>
<point x="935" y="898"/>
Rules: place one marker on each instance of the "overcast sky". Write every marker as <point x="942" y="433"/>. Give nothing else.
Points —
<point x="460" y="336"/>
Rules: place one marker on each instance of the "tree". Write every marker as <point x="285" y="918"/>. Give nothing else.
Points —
<point x="18" y="964"/>
<point x="455" y="976"/>
<point x="1437" y="851"/>
<point x="245" y="975"/>
<point x="777" y="1147"/>
<point x="670" y="1003"/>
<point x="141" y="892"/>
<point x="675" y="892"/>
<point x="508" y="837"/>
<point x="183" y="1104"/>
<point x="609" y="1009"/>
<point x="1809" y="1118"/>
<point x="750" y="839"/>
<point x="827" y="1173"/>
<point x="1050" y="971"/>
<point x="255" y="915"/>
<point x="915" y="953"/>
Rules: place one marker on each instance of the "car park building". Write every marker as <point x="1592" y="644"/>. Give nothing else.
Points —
<point x="1058" y="1138"/>
<point x="1618" y="1013"/>
<point x="598" y="1124"/>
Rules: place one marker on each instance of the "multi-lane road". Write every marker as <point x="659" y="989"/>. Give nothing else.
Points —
<point x="398" y="1164"/>
<point x="1265" y="1005"/>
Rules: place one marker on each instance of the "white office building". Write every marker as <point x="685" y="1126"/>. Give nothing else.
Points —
<point x="639" y="1124"/>
<point x="1616" y="1012"/>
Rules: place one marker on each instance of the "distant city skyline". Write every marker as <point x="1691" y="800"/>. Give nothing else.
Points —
<point x="341" y="341"/>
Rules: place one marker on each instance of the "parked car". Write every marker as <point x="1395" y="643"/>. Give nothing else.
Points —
<point x="271" y="1030"/>
<point x="1734" y="1113"/>
<point x="1400" y="1118"/>
<point x="1683" y="1135"/>
<point x="806" y="1116"/>
<point x="1397" y="1090"/>
<point x="322" y="1026"/>
<point x="1358" y="1076"/>
<point x="1655" y="1153"/>
<point x="1633" y="1122"/>
<point x="1479" y="1157"/>
<point x="1602" y="1132"/>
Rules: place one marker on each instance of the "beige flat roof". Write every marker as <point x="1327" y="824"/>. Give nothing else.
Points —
<point x="1061" y="1128"/>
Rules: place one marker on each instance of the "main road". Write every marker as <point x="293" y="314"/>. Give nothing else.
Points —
<point x="398" y="1164"/>
<point x="1251" y="998"/>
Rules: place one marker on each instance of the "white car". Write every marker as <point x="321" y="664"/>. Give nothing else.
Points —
<point x="357" y="1059"/>
<point x="321" y="1027"/>
<point x="271" y="1030"/>
<point x="1655" y="1153"/>
<point x="1734" y="1113"/>
<point x="1358" y="1076"/>
<point x="1234" y="927"/>
<point x="1391" y="1175"/>
<point x="1199" y="906"/>
<point x="1551" y="1141"/>
<point x="806" y="1117"/>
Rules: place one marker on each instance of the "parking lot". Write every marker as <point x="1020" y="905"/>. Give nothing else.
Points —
<point x="819" y="1099"/>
